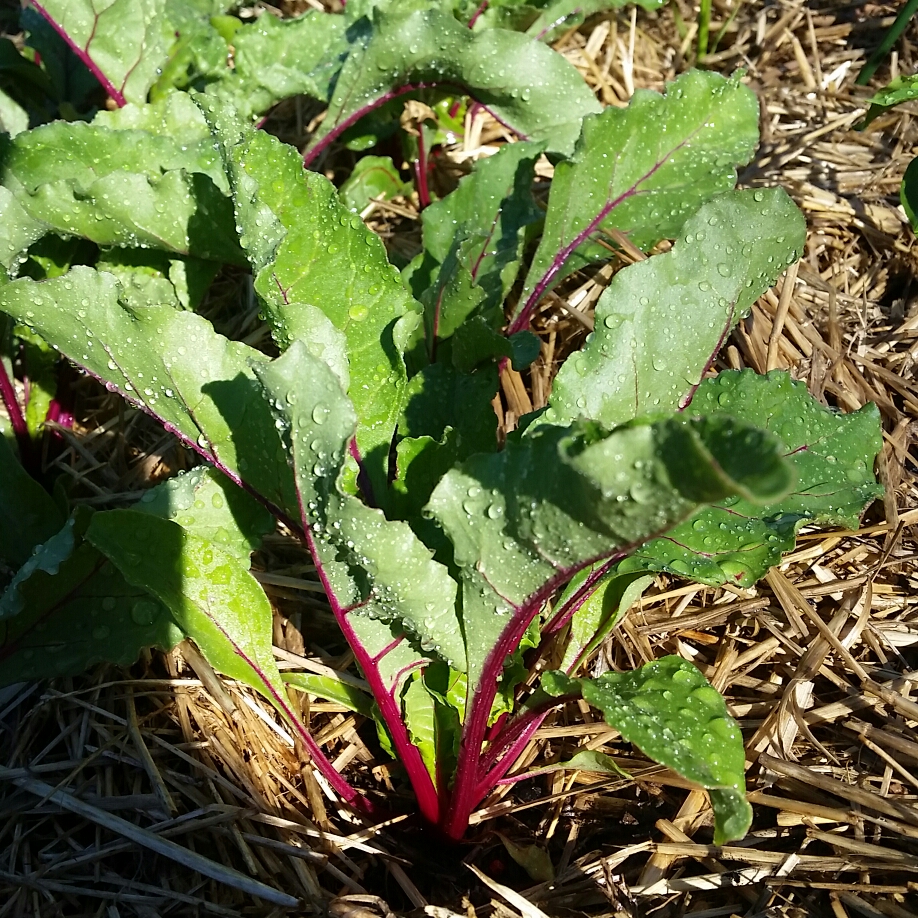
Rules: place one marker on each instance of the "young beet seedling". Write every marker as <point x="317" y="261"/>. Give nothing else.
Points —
<point x="443" y="557"/>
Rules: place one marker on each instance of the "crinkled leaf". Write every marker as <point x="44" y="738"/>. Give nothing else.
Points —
<point x="441" y="397"/>
<point x="307" y="250"/>
<point x="173" y="364"/>
<point x="151" y="278"/>
<point x="122" y="187"/>
<point x="529" y="87"/>
<point x="525" y="520"/>
<point x="678" y="719"/>
<point x="602" y="610"/>
<point x="373" y="177"/>
<point x="660" y="322"/>
<point x="18" y="231"/>
<point x="28" y="514"/>
<point x="832" y="456"/>
<point x="200" y="52"/>
<point x="211" y="595"/>
<point x="447" y="417"/>
<point x="644" y="169"/>
<point x="275" y="59"/>
<point x="176" y="117"/>
<point x="333" y="689"/>
<point x="374" y="568"/>
<point x="123" y="42"/>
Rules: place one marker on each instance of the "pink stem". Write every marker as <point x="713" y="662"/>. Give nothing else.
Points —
<point x="116" y="94"/>
<point x="406" y="751"/>
<point x="420" y="171"/>
<point x="522" y="320"/>
<point x="481" y="8"/>
<point x="17" y="418"/>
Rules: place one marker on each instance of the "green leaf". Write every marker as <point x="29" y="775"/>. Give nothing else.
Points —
<point x="558" y="16"/>
<point x="306" y="249"/>
<point x="447" y="417"/>
<point x="909" y="193"/>
<point x="40" y="364"/>
<point x="28" y="514"/>
<point x="669" y="710"/>
<point x="131" y="186"/>
<point x="14" y="119"/>
<point x="123" y="42"/>
<point x="276" y="59"/>
<point x="211" y="595"/>
<point x="68" y="607"/>
<point x="373" y="177"/>
<point x="154" y="279"/>
<point x="420" y="714"/>
<point x="533" y="859"/>
<point x="18" y="231"/>
<point x="589" y="760"/>
<point x="376" y="570"/>
<point x="68" y="86"/>
<point x="487" y="216"/>
<point x="333" y="689"/>
<point x="200" y="52"/>
<point x="832" y="457"/>
<point x="644" y="169"/>
<point x="603" y="609"/>
<point x="525" y="520"/>
<point x="209" y="506"/>
<point x="172" y="364"/>
<point x="529" y="87"/>
<point x="902" y="89"/>
<point x="660" y="322"/>
<point x="76" y="612"/>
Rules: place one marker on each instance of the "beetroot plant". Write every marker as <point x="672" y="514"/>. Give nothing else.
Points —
<point x="452" y="562"/>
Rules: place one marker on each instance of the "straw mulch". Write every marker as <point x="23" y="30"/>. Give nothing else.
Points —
<point x="165" y="791"/>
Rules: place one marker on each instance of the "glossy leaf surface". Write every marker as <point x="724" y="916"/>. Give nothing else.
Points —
<point x="212" y="597"/>
<point x="485" y="219"/>
<point x="526" y="85"/>
<point x="669" y="710"/>
<point x="69" y="607"/>
<point x="660" y="322"/>
<point x="900" y="90"/>
<point x="644" y="169"/>
<point x="832" y="456"/>
<point x="374" y="569"/>
<point x="372" y="178"/>
<point x="308" y="251"/>
<point x="172" y="364"/>
<point x="524" y="520"/>
<point x="122" y="185"/>
<point x="123" y="42"/>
